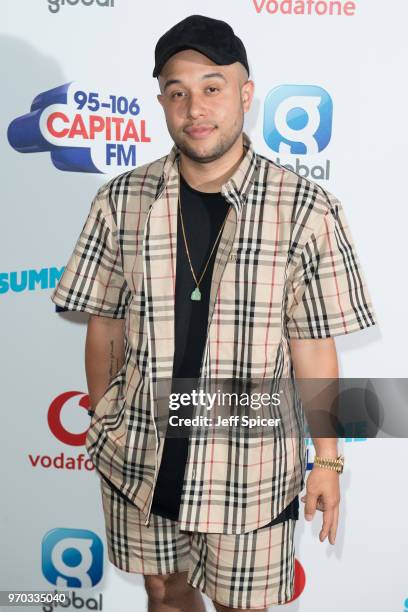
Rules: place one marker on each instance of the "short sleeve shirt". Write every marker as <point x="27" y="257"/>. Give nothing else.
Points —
<point x="286" y="267"/>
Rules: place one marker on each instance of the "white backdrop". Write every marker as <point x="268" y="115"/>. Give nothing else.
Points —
<point x="53" y="165"/>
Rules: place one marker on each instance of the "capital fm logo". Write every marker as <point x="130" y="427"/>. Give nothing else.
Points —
<point x="72" y="558"/>
<point x="83" y="130"/>
<point x="66" y="408"/>
<point x="298" y="123"/>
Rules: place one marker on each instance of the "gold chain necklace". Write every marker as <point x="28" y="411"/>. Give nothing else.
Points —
<point x="196" y="294"/>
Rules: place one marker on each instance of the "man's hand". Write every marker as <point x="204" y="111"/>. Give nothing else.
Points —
<point x="313" y="359"/>
<point x="323" y="493"/>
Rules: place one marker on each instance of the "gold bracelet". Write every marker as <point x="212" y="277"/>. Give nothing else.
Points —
<point x="336" y="464"/>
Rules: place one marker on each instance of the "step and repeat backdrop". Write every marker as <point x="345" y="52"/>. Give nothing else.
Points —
<point x="79" y="107"/>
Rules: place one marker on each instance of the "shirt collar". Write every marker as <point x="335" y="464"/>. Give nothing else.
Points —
<point x="238" y="185"/>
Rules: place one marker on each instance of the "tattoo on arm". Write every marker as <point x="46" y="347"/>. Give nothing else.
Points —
<point x="113" y="359"/>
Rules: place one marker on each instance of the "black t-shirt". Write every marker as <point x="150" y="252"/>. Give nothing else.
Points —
<point x="203" y="214"/>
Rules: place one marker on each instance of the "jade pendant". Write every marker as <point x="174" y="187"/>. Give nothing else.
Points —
<point x="196" y="295"/>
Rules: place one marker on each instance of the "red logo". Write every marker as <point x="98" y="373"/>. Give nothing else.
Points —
<point x="64" y="461"/>
<point x="300" y="581"/>
<point x="54" y="418"/>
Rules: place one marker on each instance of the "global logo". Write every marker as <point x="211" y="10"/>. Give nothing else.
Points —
<point x="55" y="5"/>
<point x="72" y="558"/>
<point x="298" y="119"/>
<point x="84" y="130"/>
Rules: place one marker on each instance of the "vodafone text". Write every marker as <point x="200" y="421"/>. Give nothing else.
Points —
<point x="306" y="7"/>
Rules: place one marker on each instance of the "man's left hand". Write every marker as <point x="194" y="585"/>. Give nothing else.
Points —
<point x="323" y="493"/>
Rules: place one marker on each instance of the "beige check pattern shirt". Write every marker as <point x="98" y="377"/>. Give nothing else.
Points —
<point x="286" y="267"/>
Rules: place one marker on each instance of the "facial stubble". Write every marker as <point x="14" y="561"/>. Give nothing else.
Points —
<point x="223" y="145"/>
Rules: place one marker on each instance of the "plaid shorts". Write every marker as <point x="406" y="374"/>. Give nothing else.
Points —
<point x="249" y="570"/>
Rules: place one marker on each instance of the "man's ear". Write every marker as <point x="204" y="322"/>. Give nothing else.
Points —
<point x="160" y="98"/>
<point x="248" y="90"/>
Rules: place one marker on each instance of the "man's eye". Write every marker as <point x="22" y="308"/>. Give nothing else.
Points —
<point x="175" y="94"/>
<point x="213" y="88"/>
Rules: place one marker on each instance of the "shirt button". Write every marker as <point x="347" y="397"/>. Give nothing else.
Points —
<point x="193" y="473"/>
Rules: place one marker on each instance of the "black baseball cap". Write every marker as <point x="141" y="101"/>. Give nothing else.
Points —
<point x="211" y="37"/>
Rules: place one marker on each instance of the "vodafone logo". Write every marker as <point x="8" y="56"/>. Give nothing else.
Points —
<point x="54" y="418"/>
<point x="331" y="8"/>
<point x="65" y="403"/>
<point x="300" y="581"/>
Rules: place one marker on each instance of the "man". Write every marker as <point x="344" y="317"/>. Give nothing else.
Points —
<point x="210" y="262"/>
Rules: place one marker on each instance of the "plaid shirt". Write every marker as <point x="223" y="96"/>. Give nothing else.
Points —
<point x="285" y="267"/>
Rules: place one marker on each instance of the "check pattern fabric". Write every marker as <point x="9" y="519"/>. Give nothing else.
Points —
<point x="286" y="267"/>
<point x="251" y="570"/>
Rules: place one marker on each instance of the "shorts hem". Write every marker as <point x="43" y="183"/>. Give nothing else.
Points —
<point x="145" y="569"/>
<point x="227" y="604"/>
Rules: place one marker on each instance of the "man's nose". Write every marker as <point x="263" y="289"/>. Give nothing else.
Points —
<point x="195" y="106"/>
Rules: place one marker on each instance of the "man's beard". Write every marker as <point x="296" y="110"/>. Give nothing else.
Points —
<point x="219" y="149"/>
